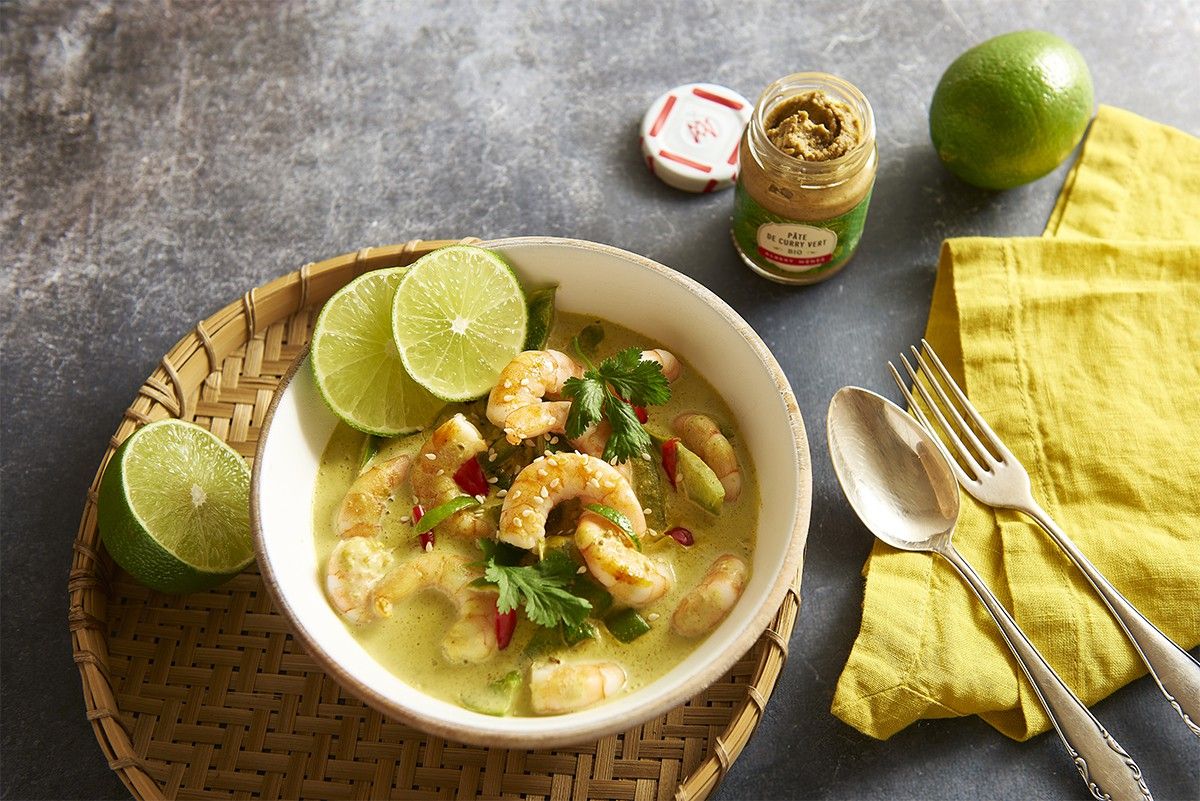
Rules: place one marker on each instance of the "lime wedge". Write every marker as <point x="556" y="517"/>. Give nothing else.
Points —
<point x="174" y="508"/>
<point x="355" y="362"/>
<point x="459" y="317"/>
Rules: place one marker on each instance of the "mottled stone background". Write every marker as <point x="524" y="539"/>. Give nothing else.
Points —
<point x="157" y="159"/>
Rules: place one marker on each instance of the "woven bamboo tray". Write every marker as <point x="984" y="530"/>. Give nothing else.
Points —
<point x="209" y="696"/>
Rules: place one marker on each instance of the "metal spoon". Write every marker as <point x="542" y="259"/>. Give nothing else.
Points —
<point x="899" y="482"/>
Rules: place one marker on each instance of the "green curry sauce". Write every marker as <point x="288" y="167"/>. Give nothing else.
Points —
<point x="409" y="642"/>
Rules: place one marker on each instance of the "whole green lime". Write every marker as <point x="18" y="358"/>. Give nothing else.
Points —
<point x="1010" y="110"/>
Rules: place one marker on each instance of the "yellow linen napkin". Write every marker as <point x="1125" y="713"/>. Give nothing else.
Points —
<point x="1082" y="349"/>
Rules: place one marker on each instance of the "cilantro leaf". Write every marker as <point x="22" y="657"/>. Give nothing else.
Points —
<point x="628" y="439"/>
<point x="541" y="588"/>
<point x="641" y="382"/>
<point x="609" y="392"/>
<point x="588" y="395"/>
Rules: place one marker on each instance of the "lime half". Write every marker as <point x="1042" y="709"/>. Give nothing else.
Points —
<point x="459" y="317"/>
<point x="355" y="362"/>
<point x="174" y="508"/>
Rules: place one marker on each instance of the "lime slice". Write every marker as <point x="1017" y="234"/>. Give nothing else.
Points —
<point x="174" y="508"/>
<point x="458" y="319"/>
<point x="355" y="362"/>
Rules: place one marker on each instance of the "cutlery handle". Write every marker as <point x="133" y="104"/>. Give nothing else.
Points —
<point x="1109" y="772"/>
<point x="1177" y="673"/>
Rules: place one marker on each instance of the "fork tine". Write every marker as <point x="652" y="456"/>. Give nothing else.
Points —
<point x="984" y="454"/>
<point x="967" y="406"/>
<point x="947" y="430"/>
<point x="959" y="473"/>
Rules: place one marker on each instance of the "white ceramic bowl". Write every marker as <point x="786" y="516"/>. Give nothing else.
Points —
<point x="641" y="295"/>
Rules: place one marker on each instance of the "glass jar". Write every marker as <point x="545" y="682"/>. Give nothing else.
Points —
<point x="798" y="220"/>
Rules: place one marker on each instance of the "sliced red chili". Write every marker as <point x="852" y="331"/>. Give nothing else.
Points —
<point x="470" y="478"/>
<point x="682" y="536"/>
<point x="506" y="623"/>
<point x="418" y="512"/>
<point x="642" y="414"/>
<point x="670" y="457"/>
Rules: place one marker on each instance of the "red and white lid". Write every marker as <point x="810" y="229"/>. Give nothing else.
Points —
<point x="690" y="136"/>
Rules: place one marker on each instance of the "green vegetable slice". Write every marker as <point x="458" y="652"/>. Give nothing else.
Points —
<point x="617" y="518"/>
<point x="626" y="624"/>
<point x="541" y="317"/>
<point x="439" y="513"/>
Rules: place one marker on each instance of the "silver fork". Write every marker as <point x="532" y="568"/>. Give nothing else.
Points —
<point x="993" y="476"/>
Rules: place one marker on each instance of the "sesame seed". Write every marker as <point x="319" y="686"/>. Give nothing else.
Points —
<point x="431" y="456"/>
<point x="440" y="472"/>
<point x="581" y="570"/>
<point x="507" y="383"/>
<point x="555" y="482"/>
<point x="547" y="453"/>
<point x="404" y="519"/>
<point x="545" y="492"/>
<point x="480" y="498"/>
<point x="646" y="456"/>
<point x="516" y="494"/>
<point x="501" y="493"/>
<point x="554" y="440"/>
<point x="541" y="472"/>
<point x="613" y="461"/>
<point x="552" y="462"/>
<point x="524" y="382"/>
<point x="507" y="398"/>
<point x="492" y="456"/>
<point x="526" y="512"/>
<point x="493" y="480"/>
<point x="652" y="616"/>
<point x="517" y="522"/>
<point x="608" y="485"/>
<point x="647" y="512"/>
<point x="428" y="547"/>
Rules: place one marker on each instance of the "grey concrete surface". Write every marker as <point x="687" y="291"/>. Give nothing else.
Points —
<point x="158" y="159"/>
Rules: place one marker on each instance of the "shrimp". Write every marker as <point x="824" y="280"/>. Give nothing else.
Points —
<point x="709" y="601"/>
<point x="671" y="367"/>
<point x="701" y="434"/>
<point x="557" y="687"/>
<point x="359" y="560"/>
<point x="632" y="578"/>
<point x="548" y="480"/>
<point x="472" y="638"/>
<point x="361" y="512"/>
<point x="516" y="403"/>
<point x="449" y="447"/>
<point x="356" y="565"/>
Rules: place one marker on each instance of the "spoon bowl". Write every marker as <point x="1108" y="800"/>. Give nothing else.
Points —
<point x="892" y="471"/>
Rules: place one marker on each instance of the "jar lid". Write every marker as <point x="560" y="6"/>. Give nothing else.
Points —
<point x="690" y="136"/>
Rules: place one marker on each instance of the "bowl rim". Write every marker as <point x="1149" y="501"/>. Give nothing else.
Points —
<point x="786" y="576"/>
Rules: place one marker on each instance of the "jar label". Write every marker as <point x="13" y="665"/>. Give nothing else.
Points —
<point x="788" y="248"/>
<point x="796" y="248"/>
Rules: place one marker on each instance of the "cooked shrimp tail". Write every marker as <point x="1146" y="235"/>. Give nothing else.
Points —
<point x="710" y="600"/>
<point x="632" y="578"/>
<point x="559" y="687"/>
<point x="549" y="480"/>
<point x="517" y="403"/>
<point x="701" y="434"/>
